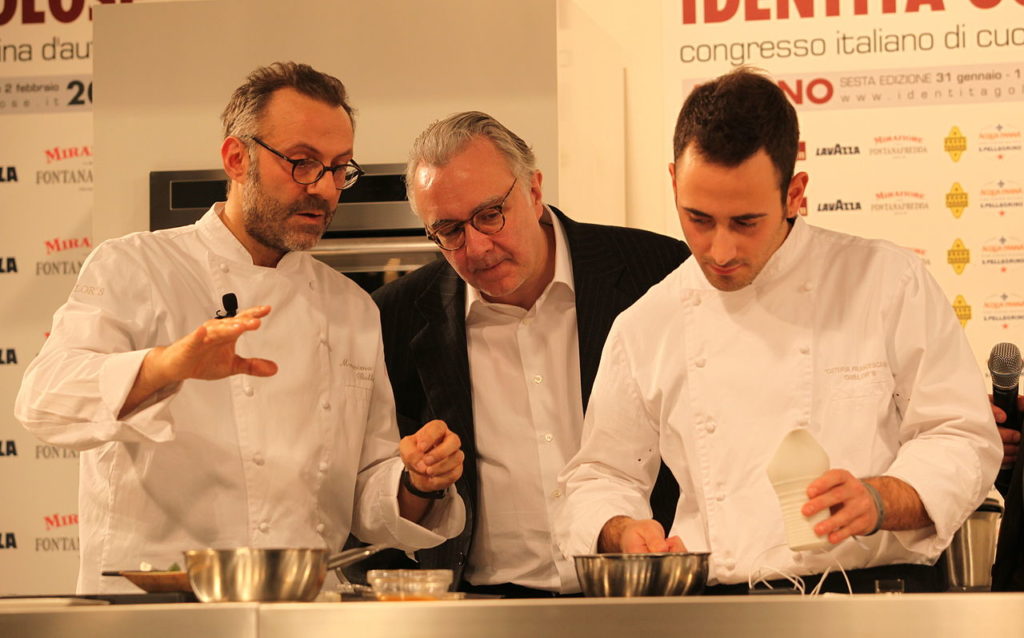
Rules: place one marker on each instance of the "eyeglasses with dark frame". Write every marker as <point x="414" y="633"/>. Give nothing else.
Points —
<point x="489" y="221"/>
<point x="309" y="171"/>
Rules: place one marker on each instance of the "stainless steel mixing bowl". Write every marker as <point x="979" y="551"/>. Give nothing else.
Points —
<point x="671" y="574"/>
<point x="248" y="574"/>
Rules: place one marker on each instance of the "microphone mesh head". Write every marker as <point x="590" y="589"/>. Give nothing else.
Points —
<point x="1004" y="364"/>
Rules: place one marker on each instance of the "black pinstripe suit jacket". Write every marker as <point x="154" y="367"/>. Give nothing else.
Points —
<point x="424" y="331"/>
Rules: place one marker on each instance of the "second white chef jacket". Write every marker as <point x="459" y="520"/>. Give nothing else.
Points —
<point x="847" y="337"/>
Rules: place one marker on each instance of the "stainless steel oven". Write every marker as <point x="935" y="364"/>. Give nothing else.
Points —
<point x="373" y="238"/>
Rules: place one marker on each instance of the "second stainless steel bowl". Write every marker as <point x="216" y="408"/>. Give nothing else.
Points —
<point x="672" y="574"/>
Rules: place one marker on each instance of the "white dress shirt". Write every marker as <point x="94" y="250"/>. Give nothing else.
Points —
<point x="298" y="459"/>
<point x="847" y="337"/>
<point x="525" y="371"/>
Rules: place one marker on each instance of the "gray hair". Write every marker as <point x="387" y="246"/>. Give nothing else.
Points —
<point x="444" y="139"/>
<point x="244" y="109"/>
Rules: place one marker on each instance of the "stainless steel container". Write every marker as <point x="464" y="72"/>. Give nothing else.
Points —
<point x="628" y="575"/>
<point x="970" y="556"/>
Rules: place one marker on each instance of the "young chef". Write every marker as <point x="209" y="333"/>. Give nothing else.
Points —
<point x="189" y="437"/>
<point x="775" y="325"/>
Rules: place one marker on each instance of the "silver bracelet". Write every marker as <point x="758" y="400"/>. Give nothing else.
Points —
<point x="879" y="506"/>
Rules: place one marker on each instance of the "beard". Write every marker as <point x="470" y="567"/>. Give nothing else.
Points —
<point x="266" y="219"/>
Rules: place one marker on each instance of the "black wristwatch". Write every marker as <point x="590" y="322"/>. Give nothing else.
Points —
<point x="407" y="483"/>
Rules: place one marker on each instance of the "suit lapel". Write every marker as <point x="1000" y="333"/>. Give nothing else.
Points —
<point x="597" y="270"/>
<point x="440" y="355"/>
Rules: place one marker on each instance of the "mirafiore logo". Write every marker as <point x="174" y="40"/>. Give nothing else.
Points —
<point x="8" y="265"/>
<point x="836" y="149"/>
<point x="59" y="520"/>
<point x="59" y="244"/>
<point x="957" y="200"/>
<point x="62" y="266"/>
<point x="899" y="202"/>
<point x="1002" y="253"/>
<point x="958" y="256"/>
<point x="839" y="205"/>
<point x="955" y="144"/>
<point x="1000" y="140"/>
<point x="1001" y="196"/>
<point x="8" y="448"/>
<point x="1005" y="309"/>
<point x="897" y="146"/>
<point x="8" y="174"/>
<point x="62" y="153"/>
<point x="962" y="310"/>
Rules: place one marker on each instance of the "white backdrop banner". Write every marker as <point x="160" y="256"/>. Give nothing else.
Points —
<point x="911" y="116"/>
<point x="46" y="160"/>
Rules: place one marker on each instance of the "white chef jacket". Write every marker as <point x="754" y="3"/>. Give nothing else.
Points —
<point x="848" y="337"/>
<point x="525" y="371"/>
<point x="298" y="459"/>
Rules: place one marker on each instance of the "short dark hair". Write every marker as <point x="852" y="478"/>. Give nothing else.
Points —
<point x="730" y="118"/>
<point x="244" y="109"/>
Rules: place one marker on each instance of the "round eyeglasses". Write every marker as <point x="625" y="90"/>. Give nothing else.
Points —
<point x="309" y="171"/>
<point x="450" y="235"/>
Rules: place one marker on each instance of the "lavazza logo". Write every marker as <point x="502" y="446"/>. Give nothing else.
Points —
<point x="836" y="149"/>
<point x="8" y="448"/>
<point x="8" y="540"/>
<point x="8" y="174"/>
<point x="1005" y="310"/>
<point x="897" y="146"/>
<point x="1002" y="196"/>
<point x="1002" y="253"/>
<point x="8" y="265"/>
<point x="8" y="356"/>
<point x="839" y="206"/>
<point x="1000" y="140"/>
<point x="66" y="165"/>
<point x="899" y="202"/>
<point x="60" y="264"/>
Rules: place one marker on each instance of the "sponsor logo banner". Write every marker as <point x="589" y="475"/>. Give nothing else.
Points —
<point x="1005" y="310"/>
<point x="962" y="310"/>
<point x="957" y="200"/>
<point x="899" y="202"/>
<point x="45" y="94"/>
<point x="1002" y="253"/>
<point x="958" y="256"/>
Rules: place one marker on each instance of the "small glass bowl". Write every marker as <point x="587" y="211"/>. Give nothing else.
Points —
<point x="410" y="584"/>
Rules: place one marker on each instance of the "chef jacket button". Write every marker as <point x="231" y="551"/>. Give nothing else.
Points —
<point x="803" y="423"/>
<point x="223" y="267"/>
<point x="247" y="389"/>
<point x="696" y="300"/>
<point x="700" y="363"/>
<point x="323" y="466"/>
<point x="710" y="427"/>
<point x="320" y="527"/>
<point x="549" y="437"/>
<point x="798" y="557"/>
<point x="325" y="404"/>
<point x="258" y="459"/>
<point x="312" y="286"/>
<point x="805" y="350"/>
<point x="806" y="286"/>
<point x="264" y="527"/>
<point x="720" y="497"/>
<point x="537" y="378"/>
<point x="556" y="494"/>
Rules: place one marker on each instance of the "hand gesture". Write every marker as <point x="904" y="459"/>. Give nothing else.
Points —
<point x="433" y="456"/>
<point x="852" y="506"/>
<point x="632" y="536"/>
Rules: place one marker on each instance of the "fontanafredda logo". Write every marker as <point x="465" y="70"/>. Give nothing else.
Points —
<point x="955" y="144"/>
<point x="962" y="309"/>
<point x="956" y="200"/>
<point x="958" y="256"/>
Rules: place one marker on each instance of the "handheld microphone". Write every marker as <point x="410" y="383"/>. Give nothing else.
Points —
<point x="230" y="302"/>
<point x="1004" y="364"/>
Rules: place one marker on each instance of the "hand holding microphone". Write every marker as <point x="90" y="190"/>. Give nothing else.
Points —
<point x="1004" y="364"/>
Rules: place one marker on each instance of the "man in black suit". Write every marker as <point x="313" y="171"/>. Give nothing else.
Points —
<point x="509" y="360"/>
